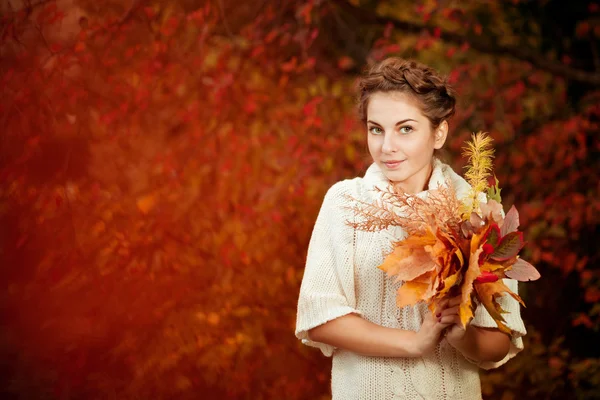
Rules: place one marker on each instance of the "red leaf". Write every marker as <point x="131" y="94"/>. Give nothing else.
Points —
<point x="511" y="222"/>
<point x="523" y="271"/>
<point x="493" y="235"/>
<point x="509" y="246"/>
<point x="488" y="248"/>
<point x="486" y="277"/>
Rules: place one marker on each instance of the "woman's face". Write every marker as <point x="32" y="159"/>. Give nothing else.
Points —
<point x="401" y="140"/>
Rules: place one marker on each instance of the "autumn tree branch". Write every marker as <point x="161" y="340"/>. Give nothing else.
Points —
<point x="478" y="43"/>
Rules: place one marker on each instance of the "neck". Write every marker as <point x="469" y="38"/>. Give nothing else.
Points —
<point x="418" y="182"/>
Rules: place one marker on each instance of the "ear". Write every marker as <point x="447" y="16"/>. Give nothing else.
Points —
<point x="440" y="135"/>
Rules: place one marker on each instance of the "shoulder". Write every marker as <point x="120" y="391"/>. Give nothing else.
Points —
<point x="341" y="198"/>
<point x="361" y="187"/>
<point x="460" y="185"/>
<point x="344" y="191"/>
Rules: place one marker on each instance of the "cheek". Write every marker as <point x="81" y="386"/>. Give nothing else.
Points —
<point x="420" y="147"/>
<point x="373" y="144"/>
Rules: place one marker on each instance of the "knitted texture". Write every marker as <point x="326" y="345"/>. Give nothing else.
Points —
<point x="341" y="277"/>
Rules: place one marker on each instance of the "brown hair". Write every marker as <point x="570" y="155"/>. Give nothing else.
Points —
<point x="423" y="83"/>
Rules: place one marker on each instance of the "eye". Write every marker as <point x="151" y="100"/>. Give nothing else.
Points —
<point x="406" y="129"/>
<point x="375" y="130"/>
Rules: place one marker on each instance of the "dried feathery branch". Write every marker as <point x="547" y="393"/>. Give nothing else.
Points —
<point x="479" y="153"/>
<point x="372" y="217"/>
<point x="411" y="213"/>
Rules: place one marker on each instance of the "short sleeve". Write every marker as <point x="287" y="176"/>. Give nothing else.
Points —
<point x="513" y="320"/>
<point x="327" y="290"/>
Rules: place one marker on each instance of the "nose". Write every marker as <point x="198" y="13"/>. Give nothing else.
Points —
<point x="390" y="144"/>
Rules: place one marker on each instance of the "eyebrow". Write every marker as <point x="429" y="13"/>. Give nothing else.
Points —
<point x="397" y="123"/>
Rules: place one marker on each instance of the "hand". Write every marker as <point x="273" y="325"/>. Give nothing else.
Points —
<point x="455" y="333"/>
<point x="429" y="335"/>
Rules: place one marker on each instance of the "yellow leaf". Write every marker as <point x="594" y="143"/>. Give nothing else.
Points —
<point x="488" y="267"/>
<point x="448" y="283"/>
<point x="460" y="257"/>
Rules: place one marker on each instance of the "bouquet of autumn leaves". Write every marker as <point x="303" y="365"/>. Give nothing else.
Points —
<point x="454" y="247"/>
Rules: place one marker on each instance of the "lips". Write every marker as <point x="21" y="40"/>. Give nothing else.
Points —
<point x="392" y="164"/>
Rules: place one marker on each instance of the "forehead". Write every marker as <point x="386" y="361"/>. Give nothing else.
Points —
<point x="393" y="105"/>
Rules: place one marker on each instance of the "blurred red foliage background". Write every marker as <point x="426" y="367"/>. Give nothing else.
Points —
<point x="163" y="162"/>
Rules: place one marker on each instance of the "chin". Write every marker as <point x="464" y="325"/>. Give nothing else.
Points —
<point x="395" y="177"/>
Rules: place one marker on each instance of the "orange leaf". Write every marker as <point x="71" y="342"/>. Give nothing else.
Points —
<point x="466" y="308"/>
<point x="488" y="293"/>
<point x="409" y="259"/>
<point x="421" y="289"/>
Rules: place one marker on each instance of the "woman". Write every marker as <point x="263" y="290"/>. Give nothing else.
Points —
<point x="347" y="306"/>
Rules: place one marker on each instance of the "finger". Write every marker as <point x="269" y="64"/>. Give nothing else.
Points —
<point x="450" y="311"/>
<point x="450" y="319"/>
<point x="454" y="301"/>
<point x="440" y="306"/>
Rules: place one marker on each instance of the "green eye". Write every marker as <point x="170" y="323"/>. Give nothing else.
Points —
<point x="406" y="129"/>
<point x="375" y="130"/>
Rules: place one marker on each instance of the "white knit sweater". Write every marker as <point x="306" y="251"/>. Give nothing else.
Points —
<point x="342" y="277"/>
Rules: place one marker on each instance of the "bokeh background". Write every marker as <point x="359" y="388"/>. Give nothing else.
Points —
<point x="162" y="164"/>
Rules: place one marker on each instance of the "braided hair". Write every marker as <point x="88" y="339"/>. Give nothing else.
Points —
<point x="435" y="96"/>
